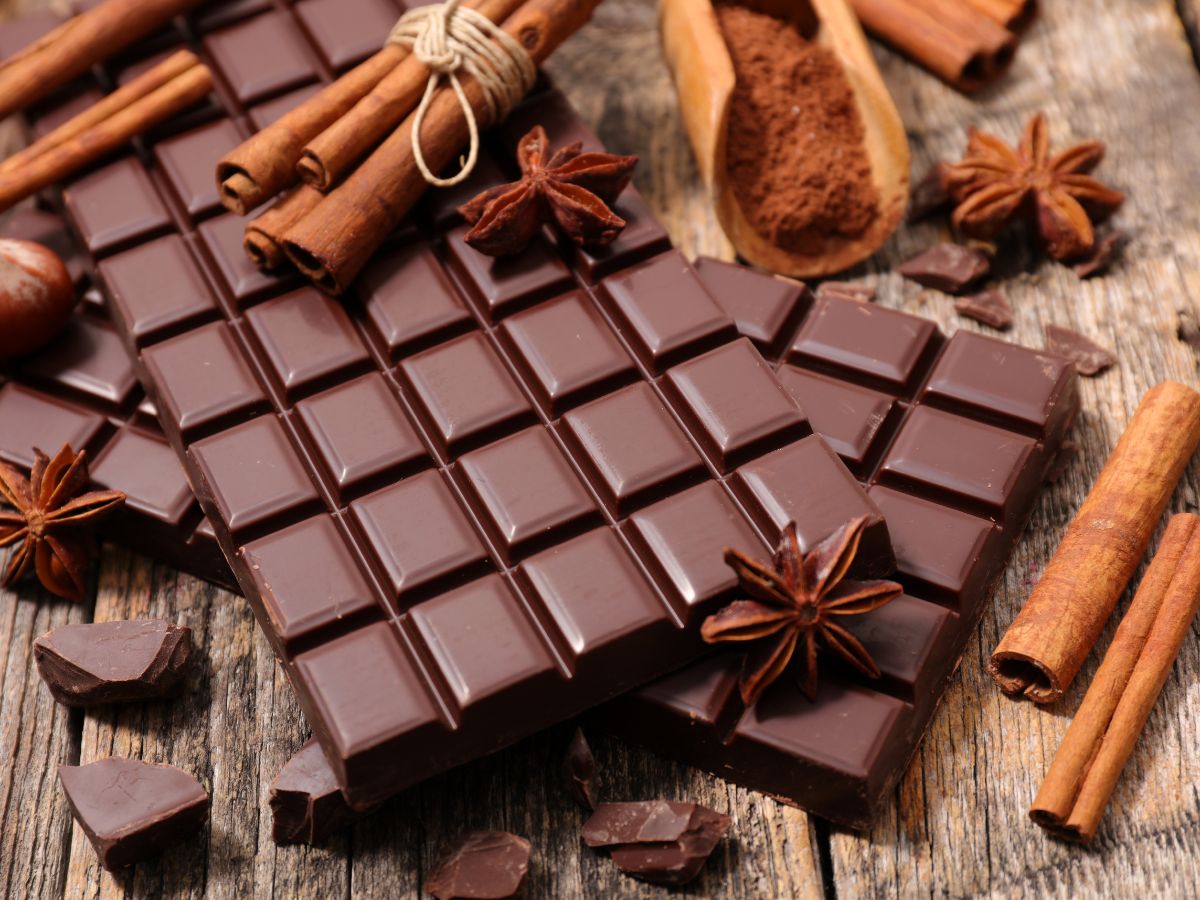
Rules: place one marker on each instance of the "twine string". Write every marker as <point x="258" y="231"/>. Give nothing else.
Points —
<point x="451" y="40"/>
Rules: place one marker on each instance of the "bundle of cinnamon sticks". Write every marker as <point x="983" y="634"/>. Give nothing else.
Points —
<point x="157" y="95"/>
<point x="345" y="161"/>
<point x="967" y="43"/>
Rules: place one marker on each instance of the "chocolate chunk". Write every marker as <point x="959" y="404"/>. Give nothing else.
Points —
<point x="846" y="290"/>
<point x="580" y="770"/>
<point x="929" y="195"/>
<point x="659" y="841"/>
<point x="487" y="865"/>
<point x="989" y="307"/>
<point x="130" y="809"/>
<point x="1089" y="357"/>
<point x="1063" y="460"/>
<point x="114" y="662"/>
<point x="306" y="803"/>
<point x="947" y="267"/>
<point x="1097" y="260"/>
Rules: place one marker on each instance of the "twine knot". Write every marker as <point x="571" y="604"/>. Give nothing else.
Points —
<point x="451" y="40"/>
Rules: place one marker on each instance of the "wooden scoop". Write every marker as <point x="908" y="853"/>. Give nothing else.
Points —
<point x="704" y="78"/>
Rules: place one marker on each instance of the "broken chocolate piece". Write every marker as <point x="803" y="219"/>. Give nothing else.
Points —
<point x="989" y="307"/>
<point x="580" y="770"/>
<point x="846" y="290"/>
<point x="114" y="662"/>
<point x="1104" y="250"/>
<point x="947" y="267"/>
<point x="1089" y="357"/>
<point x="130" y="809"/>
<point x="306" y="803"/>
<point x="485" y="865"/>
<point x="929" y="195"/>
<point x="1063" y="460"/>
<point x="659" y="841"/>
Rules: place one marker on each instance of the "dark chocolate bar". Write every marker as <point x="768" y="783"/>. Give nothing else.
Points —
<point x="426" y="492"/>
<point x="82" y="390"/>
<point x="953" y="439"/>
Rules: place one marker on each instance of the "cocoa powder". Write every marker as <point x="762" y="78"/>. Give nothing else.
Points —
<point x="795" y="151"/>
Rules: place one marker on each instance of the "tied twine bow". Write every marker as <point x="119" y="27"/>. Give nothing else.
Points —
<point x="449" y="39"/>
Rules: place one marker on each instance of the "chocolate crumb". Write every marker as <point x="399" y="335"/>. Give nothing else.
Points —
<point x="948" y="267"/>
<point x="1063" y="460"/>
<point x="1089" y="357"/>
<point x="658" y="841"/>
<point x="484" y="865"/>
<point x="988" y="307"/>
<point x="1104" y="251"/>
<point x="580" y="770"/>
<point x="113" y="662"/>
<point x="307" y="806"/>
<point x="929" y="195"/>
<point x="846" y="290"/>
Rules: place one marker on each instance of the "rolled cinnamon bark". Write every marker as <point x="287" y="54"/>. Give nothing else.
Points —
<point x="1102" y="735"/>
<point x="264" y="235"/>
<point x="1015" y="15"/>
<point x="79" y="43"/>
<point x="146" y="83"/>
<point x="333" y="242"/>
<point x="102" y="138"/>
<point x="953" y="40"/>
<point x="1054" y="632"/>
<point x="333" y="153"/>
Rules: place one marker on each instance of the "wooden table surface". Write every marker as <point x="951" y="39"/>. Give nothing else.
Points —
<point x="1120" y="70"/>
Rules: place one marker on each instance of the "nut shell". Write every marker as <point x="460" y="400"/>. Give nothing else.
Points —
<point x="36" y="297"/>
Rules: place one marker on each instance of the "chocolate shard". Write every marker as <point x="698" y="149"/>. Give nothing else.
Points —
<point x="114" y="662"/>
<point x="130" y="809"/>
<point x="1088" y="356"/>
<point x="948" y="267"/>
<point x="660" y="841"/>
<point x="1063" y="460"/>
<point x="1104" y="251"/>
<point x="484" y="865"/>
<point x="307" y="805"/>
<point x="846" y="290"/>
<point x="989" y="307"/>
<point x="580" y="770"/>
<point x="929" y="195"/>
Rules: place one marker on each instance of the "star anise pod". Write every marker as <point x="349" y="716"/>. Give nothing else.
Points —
<point x="996" y="183"/>
<point x="798" y="598"/>
<point x="51" y="520"/>
<point x="572" y="189"/>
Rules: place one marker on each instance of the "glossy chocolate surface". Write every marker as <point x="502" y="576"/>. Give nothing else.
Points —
<point x="954" y="439"/>
<point x="433" y="479"/>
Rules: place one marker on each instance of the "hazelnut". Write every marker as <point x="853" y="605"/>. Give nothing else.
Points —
<point x="36" y="297"/>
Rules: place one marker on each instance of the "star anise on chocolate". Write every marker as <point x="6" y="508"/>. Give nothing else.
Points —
<point x="797" y="599"/>
<point x="572" y="189"/>
<point x="996" y="183"/>
<point x="51" y="519"/>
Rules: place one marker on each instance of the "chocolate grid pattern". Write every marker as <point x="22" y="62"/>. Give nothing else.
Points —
<point x="275" y="350"/>
<point x="887" y="413"/>
<point x="81" y="390"/>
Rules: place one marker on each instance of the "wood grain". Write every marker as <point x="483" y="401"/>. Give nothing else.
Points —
<point x="1120" y="70"/>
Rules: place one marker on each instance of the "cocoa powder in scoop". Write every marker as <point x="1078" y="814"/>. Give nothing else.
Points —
<point x="795" y="150"/>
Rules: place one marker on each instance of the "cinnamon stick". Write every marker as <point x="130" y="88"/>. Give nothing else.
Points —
<point x="102" y="138"/>
<point x="264" y="235"/>
<point x="1102" y="735"/>
<point x="144" y="84"/>
<point x="1015" y="15"/>
<point x="1054" y="632"/>
<point x="333" y="153"/>
<point x="953" y="40"/>
<point x="265" y="165"/>
<point x="333" y="242"/>
<point x="79" y="43"/>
